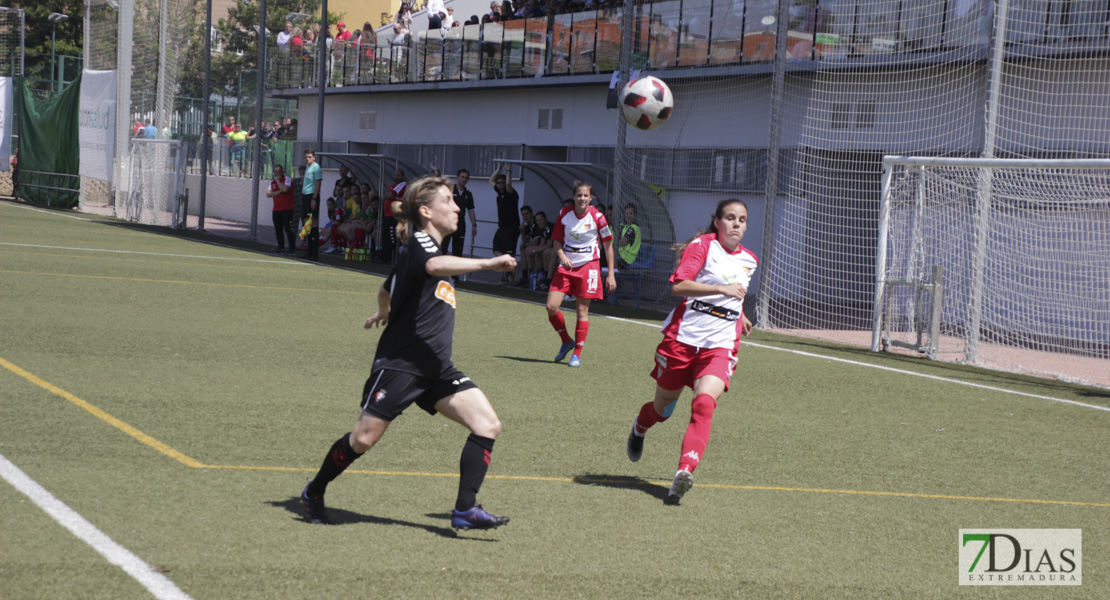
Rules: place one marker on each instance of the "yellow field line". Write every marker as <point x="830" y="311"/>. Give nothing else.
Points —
<point x="196" y="464"/>
<point x="103" y="416"/>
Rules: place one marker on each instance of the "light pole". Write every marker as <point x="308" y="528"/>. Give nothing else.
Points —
<point x="54" y="19"/>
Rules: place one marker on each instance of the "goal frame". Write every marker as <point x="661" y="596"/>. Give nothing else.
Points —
<point x="979" y="248"/>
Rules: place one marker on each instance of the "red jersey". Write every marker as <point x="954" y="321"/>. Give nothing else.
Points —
<point x="398" y="191"/>
<point x="283" y="201"/>
<point x="580" y="237"/>
<point x="710" y="321"/>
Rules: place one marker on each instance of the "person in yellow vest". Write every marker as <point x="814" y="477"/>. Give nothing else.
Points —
<point x="631" y="239"/>
<point x="238" y="139"/>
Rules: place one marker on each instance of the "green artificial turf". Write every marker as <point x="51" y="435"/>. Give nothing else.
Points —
<point x="822" y="479"/>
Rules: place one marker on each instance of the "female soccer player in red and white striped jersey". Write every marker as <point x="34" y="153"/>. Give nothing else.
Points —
<point x="700" y="337"/>
<point x="579" y="231"/>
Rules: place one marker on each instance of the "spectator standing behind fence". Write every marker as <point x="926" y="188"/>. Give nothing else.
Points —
<point x="284" y="37"/>
<point x="281" y="190"/>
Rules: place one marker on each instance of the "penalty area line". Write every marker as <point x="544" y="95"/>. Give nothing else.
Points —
<point x="156" y="583"/>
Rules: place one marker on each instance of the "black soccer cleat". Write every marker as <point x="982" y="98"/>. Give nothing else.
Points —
<point x="476" y="518"/>
<point x="635" y="446"/>
<point x="314" y="509"/>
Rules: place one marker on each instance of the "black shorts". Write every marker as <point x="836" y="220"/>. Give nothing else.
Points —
<point x="504" y="241"/>
<point x="388" y="393"/>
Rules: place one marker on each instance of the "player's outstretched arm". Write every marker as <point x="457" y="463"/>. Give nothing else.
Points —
<point x="449" y="266"/>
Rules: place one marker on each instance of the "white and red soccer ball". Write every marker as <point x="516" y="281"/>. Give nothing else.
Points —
<point x="646" y="102"/>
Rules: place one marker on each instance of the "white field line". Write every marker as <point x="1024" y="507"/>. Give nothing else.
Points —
<point x="903" y="372"/>
<point x="163" y="254"/>
<point x="156" y="583"/>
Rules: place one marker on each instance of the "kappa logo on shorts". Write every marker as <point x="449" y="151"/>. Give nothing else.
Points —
<point x="446" y="292"/>
<point x="461" y="381"/>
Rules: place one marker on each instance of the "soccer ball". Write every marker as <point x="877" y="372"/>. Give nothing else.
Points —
<point x="646" y="103"/>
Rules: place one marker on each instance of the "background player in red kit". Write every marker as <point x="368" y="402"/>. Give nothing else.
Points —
<point x="578" y="231"/>
<point x="700" y="337"/>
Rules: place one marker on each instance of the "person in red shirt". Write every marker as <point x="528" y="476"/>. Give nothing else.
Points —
<point x="700" y="337"/>
<point x="393" y="196"/>
<point x="343" y="34"/>
<point x="281" y="190"/>
<point x="579" y="230"/>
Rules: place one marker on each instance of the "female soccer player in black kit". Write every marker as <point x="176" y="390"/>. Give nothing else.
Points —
<point x="416" y="305"/>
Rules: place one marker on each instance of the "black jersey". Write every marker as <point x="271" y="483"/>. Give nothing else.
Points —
<point x="508" y="214"/>
<point x="417" y="338"/>
<point x="464" y="199"/>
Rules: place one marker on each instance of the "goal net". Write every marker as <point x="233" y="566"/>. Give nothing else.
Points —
<point x="1024" y="248"/>
<point x="155" y="183"/>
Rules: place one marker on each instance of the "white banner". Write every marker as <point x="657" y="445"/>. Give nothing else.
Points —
<point x="97" y="124"/>
<point x="6" y="124"/>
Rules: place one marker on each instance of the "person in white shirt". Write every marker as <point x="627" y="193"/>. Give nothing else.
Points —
<point x="283" y="37"/>
<point x="436" y="13"/>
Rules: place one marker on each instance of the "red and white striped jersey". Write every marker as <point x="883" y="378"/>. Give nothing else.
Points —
<point x="710" y="321"/>
<point x="580" y="237"/>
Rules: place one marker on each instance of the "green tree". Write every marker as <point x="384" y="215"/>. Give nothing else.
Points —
<point x="37" y="37"/>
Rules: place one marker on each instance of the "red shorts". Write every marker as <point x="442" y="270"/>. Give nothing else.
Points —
<point x="584" y="281"/>
<point x="678" y="365"/>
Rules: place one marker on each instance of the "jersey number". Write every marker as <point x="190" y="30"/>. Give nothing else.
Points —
<point x="591" y="281"/>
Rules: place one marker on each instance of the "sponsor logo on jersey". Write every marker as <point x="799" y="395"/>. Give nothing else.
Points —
<point x="446" y="292"/>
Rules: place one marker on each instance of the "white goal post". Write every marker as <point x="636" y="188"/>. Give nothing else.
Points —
<point x="153" y="182"/>
<point x="1024" y="248"/>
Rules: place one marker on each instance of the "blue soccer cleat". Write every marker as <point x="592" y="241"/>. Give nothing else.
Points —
<point x="575" y="361"/>
<point x="563" y="351"/>
<point x="476" y="518"/>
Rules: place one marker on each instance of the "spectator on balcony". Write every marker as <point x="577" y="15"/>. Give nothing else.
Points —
<point x="494" y="14"/>
<point x="404" y="16"/>
<point x="437" y="11"/>
<point x="284" y="37"/>
<point x="506" y="10"/>
<point x="449" y="20"/>
<point x="342" y="34"/>
<point x="297" y="41"/>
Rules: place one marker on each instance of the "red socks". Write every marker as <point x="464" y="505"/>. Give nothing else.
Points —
<point x="647" y="418"/>
<point x="697" y="433"/>
<point x="560" y="326"/>
<point x="581" y="330"/>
